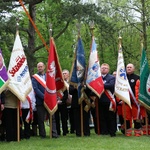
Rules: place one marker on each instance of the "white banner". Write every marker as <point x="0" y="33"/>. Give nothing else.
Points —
<point x="121" y="85"/>
<point x="18" y="71"/>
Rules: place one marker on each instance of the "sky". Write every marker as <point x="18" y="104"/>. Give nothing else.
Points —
<point x="93" y="1"/>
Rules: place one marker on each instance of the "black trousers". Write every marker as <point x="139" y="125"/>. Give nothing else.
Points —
<point x="107" y="119"/>
<point x="61" y="116"/>
<point x="42" y="113"/>
<point x="93" y="112"/>
<point x="70" y="119"/>
<point x="10" y="123"/>
<point x="26" y="131"/>
<point x="77" y="121"/>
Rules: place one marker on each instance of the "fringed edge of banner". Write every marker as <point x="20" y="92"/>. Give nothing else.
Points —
<point x="85" y="98"/>
<point x="82" y="97"/>
<point x="144" y="105"/>
<point x="75" y="85"/>
<point x="97" y="94"/>
<point x="125" y="100"/>
<point x="20" y="97"/>
<point x="51" y="112"/>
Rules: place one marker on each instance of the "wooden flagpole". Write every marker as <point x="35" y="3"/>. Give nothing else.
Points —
<point x="96" y="99"/>
<point x="81" y="104"/>
<point x="50" y="125"/>
<point x="18" y="121"/>
<point x="146" y="116"/>
<point x="81" y="112"/>
<point x="97" y="115"/>
<point x="124" y="105"/>
<point x="18" y="103"/>
<point x="124" y="117"/>
<point x="35" y="27"/>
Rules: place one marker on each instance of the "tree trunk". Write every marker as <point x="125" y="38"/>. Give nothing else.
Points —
<point x="31" y="40"/>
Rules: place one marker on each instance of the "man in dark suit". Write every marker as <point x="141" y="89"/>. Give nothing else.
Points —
<point x="107" y="104"/>
<point x="38" y="82"/>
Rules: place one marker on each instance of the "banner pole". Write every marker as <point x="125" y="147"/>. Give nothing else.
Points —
<point x="81" y="110"/>
<point x="18" y="121"/>
<point x="36" y="29"/>
<point x="97" y="116"/>
<point x="50" y="125"/>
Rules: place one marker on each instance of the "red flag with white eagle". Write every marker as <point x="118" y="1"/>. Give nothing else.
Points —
<point x="54" y="79"/>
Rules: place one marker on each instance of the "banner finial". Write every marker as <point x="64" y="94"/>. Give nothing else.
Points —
<point x="50" y="30"/>
<point x="91" y="24"/>
<point x="17" y="23"/>
<point x="120" y="41"/>
<point x="78" y="25"/>
<point x="142" y="39"/>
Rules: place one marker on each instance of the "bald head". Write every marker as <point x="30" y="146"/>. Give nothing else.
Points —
<point x="130" y="68"/>
<point x="41" y="67"/>
<point x="114" y="73"/>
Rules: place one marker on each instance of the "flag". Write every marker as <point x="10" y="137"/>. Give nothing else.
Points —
<point x="122" y="84"/>
<point x="31" y="100"/>
<point x="3" y="74"/>
<point x="18" y="71"/>
<point x="54" y="79"/>
<point x="144" y="91"/>
<point x="94" y="79"/>
<point x="78" y="72"/>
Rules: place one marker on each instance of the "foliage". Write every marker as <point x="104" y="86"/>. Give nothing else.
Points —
<point x="111" y="18"/>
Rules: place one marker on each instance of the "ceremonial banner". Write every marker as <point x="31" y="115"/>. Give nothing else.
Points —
<point x="3" y="74"/>
<point x="122" y="84"/>
<point x="144" y="91"/>
<point x="54" y="80"/>
<point x="31" y="100"/>
<point x="18" y="71"/>
<point x="94" y="79"/>
<point x="78" y="72"/>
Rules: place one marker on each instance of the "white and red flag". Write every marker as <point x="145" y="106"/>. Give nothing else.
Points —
<point x="94" y="79"/>
<point x="54" y="79"/>
<point x="18" y="71"/>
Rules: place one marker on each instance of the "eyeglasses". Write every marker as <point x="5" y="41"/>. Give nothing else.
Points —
<point x="104" y="68"/>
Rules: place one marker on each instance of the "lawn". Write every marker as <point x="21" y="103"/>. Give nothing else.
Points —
<point x="71" y="142"/>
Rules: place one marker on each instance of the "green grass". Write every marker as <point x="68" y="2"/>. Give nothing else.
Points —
<point x="71" y="142"/>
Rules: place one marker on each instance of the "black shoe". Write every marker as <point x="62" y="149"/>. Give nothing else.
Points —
<point x="113" y="135"/>
<point x="86" y="134"/>
<point x="72" y="132"/>
<point x="123" y="131"/>
<point x="43" y="137"/>
<point x="55" y="136"/>
<point x="78" y="134"/>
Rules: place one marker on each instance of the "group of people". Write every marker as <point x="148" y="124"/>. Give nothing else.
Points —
<point x="69" y="110"/>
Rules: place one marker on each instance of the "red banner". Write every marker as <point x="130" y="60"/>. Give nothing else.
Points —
<point x="54" y="79"/>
